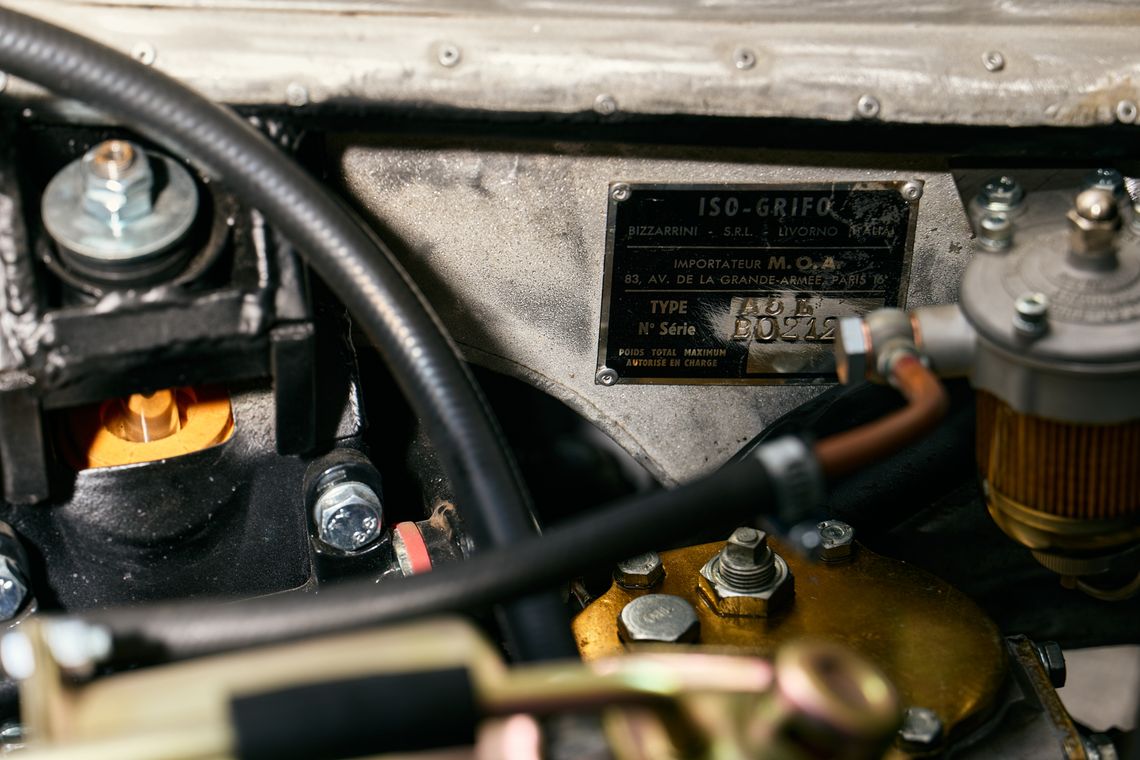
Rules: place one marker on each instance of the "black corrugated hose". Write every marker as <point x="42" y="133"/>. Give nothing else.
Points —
<point x="356" y="266"/>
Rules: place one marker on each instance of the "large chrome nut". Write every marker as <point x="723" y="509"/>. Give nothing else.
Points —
<point x="348" y="516"/>
<point x="727" y="602"/>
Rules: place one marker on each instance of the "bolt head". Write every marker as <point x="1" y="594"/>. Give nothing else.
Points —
<point x="921" y="727"/>
<point x="836" y="540"/>
<point x="13" y="589"/>
<point x="726" y="602"/>
<point x="1053" y="658"/>
<point x="658" y="618"/>
<point x="1001" y="194"/>
<point x="620" y="192"/>
<point x="642" y="571"/>
<point x="746" y="547"/>
<point x="118" y="182"/>
<point x="348" y="516"/>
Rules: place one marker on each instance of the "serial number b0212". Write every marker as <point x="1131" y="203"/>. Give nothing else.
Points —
<point x="746" y="283"/>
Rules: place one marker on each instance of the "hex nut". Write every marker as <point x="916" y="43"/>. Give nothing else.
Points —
<point x="13" y="589"/>
<point x="658" y="618"/>
<point x="1093" y="223"/>
<point x="1053" y="659"/>
<point x="642" y="571"/>
<point x="726" y="602"/>
<point x="349" y="516"/>
<point x="117" y="182"/>
<point x="921" y="727"/>
<point x="836" y="541"/>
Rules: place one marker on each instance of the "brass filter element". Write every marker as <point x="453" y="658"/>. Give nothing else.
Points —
<point x="1056" y="484"/>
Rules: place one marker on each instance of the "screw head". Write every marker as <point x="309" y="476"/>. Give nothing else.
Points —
<point x="348" y="516"/>
<point x="993" y="60"/>
<point x="449" y="55"/>
<point x="660" y="618"/>
<point x="1126" y="111"/>
<point x="620" y="192"/>
<point x="606" y="376"/>
<point x="605" y="105"/>
<point x="1107" y="179"/>
<point x="1001" y="194"/>
<point x="144" y="53"/>
<point x="911" y="191"/>
<point x="743" y="58"/>
<point x="921" y="727"/>
<point x="836" y="540"/>
<point x="867" y="106"/>
<point x="642" y="571"/>
<point x="1031" y="313"/>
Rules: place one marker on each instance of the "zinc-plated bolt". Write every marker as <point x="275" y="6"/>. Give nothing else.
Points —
<point x="606" y="376"/>
<point x="921" y="727"/>
<point x="642" y="571"/>
<point x="743" y="58"/>
<point x="449" y="55"/>
<point x="995" y="232"/>
<point x="348" y="516"/>
<point x="13" y="589"/>
<point x="118" y="182"/>
<point x="912" y="191"/>
<point x="605" y="105"/>
<point x="144" y="53"/>
<point x="1031" y="314"/>
<point x="1053" y="659"/>
<point x="867" y="106"/>
<point x="620" y="192"/>
<point x="661" y="618"/>
<point x="993" y="60"/>
<point x="1001" y="194"/>
<point x="1126" y="111"/>
<point x="1094" y="222"/>
<point x="1107" y="179"/>
<point x="836" y="540"/>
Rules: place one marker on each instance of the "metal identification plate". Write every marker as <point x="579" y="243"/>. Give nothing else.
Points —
<point x="746" y="283"/>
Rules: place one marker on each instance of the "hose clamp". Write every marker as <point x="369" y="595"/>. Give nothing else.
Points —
<point x="797" y="479"/>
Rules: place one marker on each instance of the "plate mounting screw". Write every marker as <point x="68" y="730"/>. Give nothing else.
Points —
<point x="606" y="376"/>
<point x="620" y="192"/>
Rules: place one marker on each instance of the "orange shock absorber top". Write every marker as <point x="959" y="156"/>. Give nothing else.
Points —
<point x="147" y="427"/>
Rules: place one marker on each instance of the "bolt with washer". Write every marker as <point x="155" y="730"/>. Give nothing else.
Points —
<point x="658" y="618"/>
<point x="1000" y="194"/>
<point x="348" y="516"/>
<point x="836" y="541"/>
<point x="921" y="728"/>
<point x="118" y="182"/>
<point x="1031" y="314"/>
<point x="746" y="578"/>
<point x="642" y="571"/>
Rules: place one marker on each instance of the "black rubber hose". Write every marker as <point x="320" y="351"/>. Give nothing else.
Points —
<point x="357" y="267"/>
<point x="159" y="632"/>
